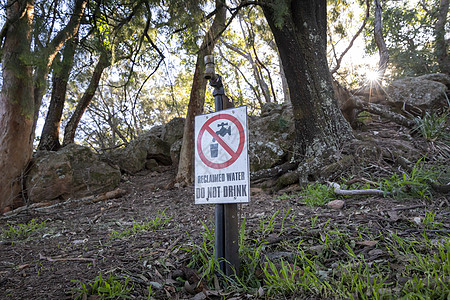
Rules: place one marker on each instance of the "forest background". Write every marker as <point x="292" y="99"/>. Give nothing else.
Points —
<point x="101" y="73"/>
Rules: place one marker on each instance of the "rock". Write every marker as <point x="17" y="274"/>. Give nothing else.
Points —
<point x="418" y="92"/>
<point x="72" y="172"/>
<point x="439" y="77"/>
<point x="90" y="175"/>
<point x="156" y="148"/>
<point x="132" y="158"/>
<point x="336" y="204"/>
<point x="151" y="164"/>
<point x="156" y="130"/>
<point x="173" y="131"/>
<point x="175" y="151"/>
<point x="50" y="177"/>
<point x="271" y="137"/>
<point x="270" y="108"/>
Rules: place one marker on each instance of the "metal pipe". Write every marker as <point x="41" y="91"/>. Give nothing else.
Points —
<point x="219" y="233"/>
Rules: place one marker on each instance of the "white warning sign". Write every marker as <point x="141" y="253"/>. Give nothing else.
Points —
<point x="221" y="157"/>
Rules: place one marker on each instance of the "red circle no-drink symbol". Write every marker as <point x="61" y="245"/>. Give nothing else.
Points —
<point x="234" y="154"/>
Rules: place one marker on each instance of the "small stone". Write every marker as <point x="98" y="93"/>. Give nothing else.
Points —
<point x="336" y="204"/>
<point x="151" y="164"/>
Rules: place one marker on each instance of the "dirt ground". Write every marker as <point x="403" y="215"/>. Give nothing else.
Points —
<point x="75" y="245"/>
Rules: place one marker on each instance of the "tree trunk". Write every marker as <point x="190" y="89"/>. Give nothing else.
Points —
<point x="284" y="83"/>
<point x="71" y="126"/>
<point x="256" y="69"/>
<point x="16" y="102"/>
<point x="50" y="132"/>
<point x="197" y="97"/>
<point x="49" y="52"/>
<point x="379" y="40"/>
<point x="321" y="130"/>
<point x="441" y="48"/>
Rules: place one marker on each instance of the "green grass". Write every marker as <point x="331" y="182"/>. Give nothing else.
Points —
<point x="432" y="126"/>
<point x="203" y="254"/>
<point x="159" y="222"/>
<point x="22" y="231"/>
<point x="410" y="266"/>
<point x="112" y="287"/>
<point x="317" y="194"/>
<point x="312" y="195"/>
<point x="415" y="183"/>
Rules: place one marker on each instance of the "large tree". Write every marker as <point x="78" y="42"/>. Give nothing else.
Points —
<point x="299" y="29"/>
<point x="16" y="102"/>
<point x="441" y="47"/>
<point x="197" y="97"/>
<point x="24" y="75"/>
<point x="50" y="132"/>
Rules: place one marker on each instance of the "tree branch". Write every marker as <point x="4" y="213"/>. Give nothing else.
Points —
<point x="339" y="191"/>
<point x="338" y="61"/>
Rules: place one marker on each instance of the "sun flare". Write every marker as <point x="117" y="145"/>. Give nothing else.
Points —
<point x="372" y="75"/>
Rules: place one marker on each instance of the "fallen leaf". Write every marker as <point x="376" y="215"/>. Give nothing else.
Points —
<point x="21" y="267"/>
<point x="375" y="252"/>
<point x="260" y="292"/>
<point x="393" y="215"/>
<point x="367" y="243"/>
<point x="199" y="296"/>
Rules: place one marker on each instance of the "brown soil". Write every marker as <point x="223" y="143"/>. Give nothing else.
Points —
<point x="75" y="244"/>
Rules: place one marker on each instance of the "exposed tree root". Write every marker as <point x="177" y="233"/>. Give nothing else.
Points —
<point x="384" y="111"/>
<point x="339" y="191"/>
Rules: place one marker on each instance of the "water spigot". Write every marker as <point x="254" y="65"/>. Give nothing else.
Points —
<point x="210" y="72"/>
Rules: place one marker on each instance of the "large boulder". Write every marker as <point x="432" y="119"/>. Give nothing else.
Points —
<point x="72" y="172"/>
<point x="156" y="130"/>
<point x="133" y="158"/>
<point x="173" y="130"/>
<point x="156" y="148"/>
<point x="50" y="177"/>
<point x="418" y="92"/>
<point x="130" y="159"/>
<point x="439" y="77"/>
<point x="271" y="136"/>
<point x="175" y="151"/>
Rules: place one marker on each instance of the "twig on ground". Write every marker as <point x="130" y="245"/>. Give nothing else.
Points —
<point x="67" y="259"/>
<point x="408" y="207"/>
<point x="360" y="179"/>
<point x="339" y="191"/>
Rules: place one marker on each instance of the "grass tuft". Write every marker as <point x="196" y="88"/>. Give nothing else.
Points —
<point x="432" y="126"/>
<point x="22" y="231"/>
<point x="112" y="287"/>
<point x="159" y="222"/>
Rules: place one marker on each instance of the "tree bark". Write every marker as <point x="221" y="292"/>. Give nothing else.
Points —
<point x="16" y="102"/>
<point x="50" y="132"/>
<point x="284" y="83"/>
<point x="441" y="48"/>
<point x="185" y="172"/>
<point x="301" y="39"/>
<point x="71" y="126"/>
<point x="379" y="40"/>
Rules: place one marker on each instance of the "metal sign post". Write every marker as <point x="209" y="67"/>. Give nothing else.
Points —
<point x="221" y="170"/>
